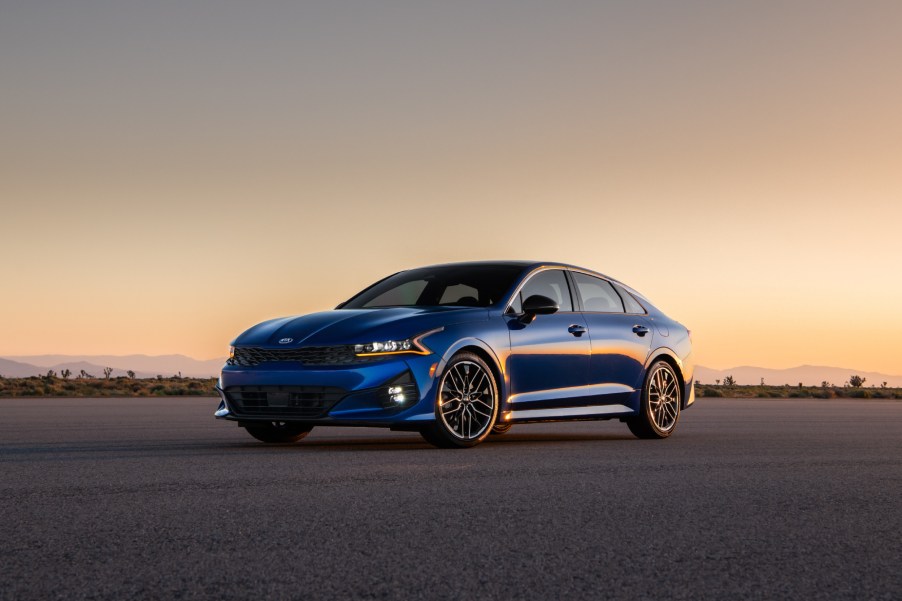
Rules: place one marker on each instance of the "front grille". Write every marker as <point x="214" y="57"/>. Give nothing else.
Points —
<point x="311" y="355"/>
<point x="284" y="401"/>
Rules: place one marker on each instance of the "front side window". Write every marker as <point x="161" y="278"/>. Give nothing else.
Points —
<point x="598" y="295"/>
<point x="551" y="283"/>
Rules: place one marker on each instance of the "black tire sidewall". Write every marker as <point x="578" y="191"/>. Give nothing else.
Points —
<point x="499" y="429"/>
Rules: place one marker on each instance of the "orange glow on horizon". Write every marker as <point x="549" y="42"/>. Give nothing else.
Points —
<point x="738" y="166"/>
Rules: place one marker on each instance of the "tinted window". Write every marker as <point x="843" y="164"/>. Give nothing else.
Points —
<point x="403" y="295"/>
<point x="461" y="285"/>
<point x="598" y="295"/>
<point x="460" y="294"/>
<point x="551" y="283"/>
<point x="631" y="304"/>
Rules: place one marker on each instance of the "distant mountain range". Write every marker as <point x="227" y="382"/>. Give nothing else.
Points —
<point x="809" y="375"/>
<point x="144" y="366"/>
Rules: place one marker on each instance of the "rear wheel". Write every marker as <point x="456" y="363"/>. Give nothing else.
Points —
<point x="467" y="404"/>
<point x="278" y="432"/>
<point x="660" y="407"/>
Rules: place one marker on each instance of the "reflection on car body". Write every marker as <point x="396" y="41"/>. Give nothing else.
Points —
<point x="462" y="351"/>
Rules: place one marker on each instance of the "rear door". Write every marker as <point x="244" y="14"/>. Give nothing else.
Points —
<point x="620" y="341"/>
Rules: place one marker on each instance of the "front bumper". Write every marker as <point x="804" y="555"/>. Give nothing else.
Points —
<point x="325" y="395"/>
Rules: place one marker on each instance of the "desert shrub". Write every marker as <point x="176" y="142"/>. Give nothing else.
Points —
<point x="858" y="393"/>
<point x="96" y="387"/>
<point x="775" y="394"/>
<point x="797" y="394"/>
<point x="711" y="392"/>
<point x="762" y="394"/>
<point x="825" y="394"/>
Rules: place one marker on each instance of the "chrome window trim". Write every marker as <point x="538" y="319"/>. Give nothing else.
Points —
<point x="531" y="275"/>
<point x="614" y="284"/>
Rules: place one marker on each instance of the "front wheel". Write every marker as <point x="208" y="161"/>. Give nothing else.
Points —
<point x="466" y="405"/>
<point x="660" y="407"/>
<point x="499" y="429"/>
<point x="278" y="432"/>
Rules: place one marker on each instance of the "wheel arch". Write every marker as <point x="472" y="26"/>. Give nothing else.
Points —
<point x="484" y="352"/>
<point x="667" y="355"/>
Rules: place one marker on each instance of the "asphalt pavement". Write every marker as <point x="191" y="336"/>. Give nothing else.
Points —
<point x="154" y="499"/>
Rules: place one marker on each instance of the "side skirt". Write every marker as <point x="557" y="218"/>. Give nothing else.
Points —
<point x="567" y="413"/>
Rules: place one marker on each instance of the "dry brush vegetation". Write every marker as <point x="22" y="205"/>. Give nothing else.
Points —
<point x="796" y="392"/>
<point x="53" y="386"/>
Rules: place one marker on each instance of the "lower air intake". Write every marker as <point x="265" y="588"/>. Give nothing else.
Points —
<point x="284" y="401"/>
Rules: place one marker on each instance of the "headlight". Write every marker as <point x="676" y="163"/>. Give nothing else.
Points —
<point x="410" y="346"/>
<point x="231" y="353"/>
<point x="389" y="346"/>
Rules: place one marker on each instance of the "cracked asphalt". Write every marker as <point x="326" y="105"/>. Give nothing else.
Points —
<point x="154" y="499"/>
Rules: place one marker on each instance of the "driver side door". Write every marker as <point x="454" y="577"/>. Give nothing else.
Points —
<point x="549" y="357"/>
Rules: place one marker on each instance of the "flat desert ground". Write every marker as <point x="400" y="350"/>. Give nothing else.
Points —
<point x="153" y="498"/>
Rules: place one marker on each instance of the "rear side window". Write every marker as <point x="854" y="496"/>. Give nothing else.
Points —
<point x="551" y="283"/>
<point x="598" y="295"/>
<point x="631" y="304"/>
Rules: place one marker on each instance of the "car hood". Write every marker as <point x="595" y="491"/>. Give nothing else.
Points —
<point x="355" y="326"/>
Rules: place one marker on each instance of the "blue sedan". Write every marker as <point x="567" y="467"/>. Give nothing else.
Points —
<point x="462" y="351"/>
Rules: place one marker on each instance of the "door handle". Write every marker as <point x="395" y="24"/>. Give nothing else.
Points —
<point x="640" y="330"/>
<point x="577" y="330"/>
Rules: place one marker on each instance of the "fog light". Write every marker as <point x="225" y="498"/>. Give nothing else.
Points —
<point x="399" y="393"/>
<point x="396" y="394"/>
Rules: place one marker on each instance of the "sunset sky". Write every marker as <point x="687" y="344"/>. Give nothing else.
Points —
<point x="174" y="172"/>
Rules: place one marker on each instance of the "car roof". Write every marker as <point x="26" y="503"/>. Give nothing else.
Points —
<point x="530" y="265"/>
<point x="526" y="265"/>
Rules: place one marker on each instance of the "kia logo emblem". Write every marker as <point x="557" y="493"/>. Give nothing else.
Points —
<point x="286" y="340"/>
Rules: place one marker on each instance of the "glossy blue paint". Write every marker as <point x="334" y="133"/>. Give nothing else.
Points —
<point x="544" y="355"/>
<point x="569" y="364"/>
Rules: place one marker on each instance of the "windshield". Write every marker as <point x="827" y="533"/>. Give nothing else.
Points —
<point x="451" y="285"/>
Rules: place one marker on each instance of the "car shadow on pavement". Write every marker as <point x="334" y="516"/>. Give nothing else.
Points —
<point x="415" y="443"/>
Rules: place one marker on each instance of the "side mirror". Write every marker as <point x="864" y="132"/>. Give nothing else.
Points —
<point x="538" y="305"/>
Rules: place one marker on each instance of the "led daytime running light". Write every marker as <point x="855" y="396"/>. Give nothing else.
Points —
<point x="393" y="347"/>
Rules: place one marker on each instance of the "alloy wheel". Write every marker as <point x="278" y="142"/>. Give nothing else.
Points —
<point x="467" y="400"/>
<point x="663" y="398"/>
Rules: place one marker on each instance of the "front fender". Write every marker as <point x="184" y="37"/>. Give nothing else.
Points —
<point x="490" y="342"/>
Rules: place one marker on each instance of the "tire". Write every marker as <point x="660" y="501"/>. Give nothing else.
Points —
<point x="659" y="411"/>
<point x="466" y="404"/>
<point x="499" y="429"/>
<point x="279" y="432"/>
